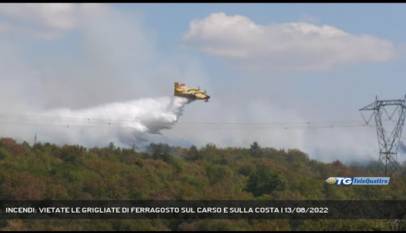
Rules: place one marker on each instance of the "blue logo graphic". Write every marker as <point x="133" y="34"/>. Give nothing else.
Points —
<point x="358" y="180"/>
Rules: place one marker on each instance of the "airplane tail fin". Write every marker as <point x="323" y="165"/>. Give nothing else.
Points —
<point x="176" y="86"/>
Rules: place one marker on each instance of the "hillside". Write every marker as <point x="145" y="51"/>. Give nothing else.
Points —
<point x="70" y="172"/>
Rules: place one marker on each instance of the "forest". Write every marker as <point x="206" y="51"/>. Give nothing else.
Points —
<point x="46" y="171"/>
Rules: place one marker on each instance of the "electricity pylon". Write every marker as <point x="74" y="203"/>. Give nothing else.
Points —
<point x="388" y="141"/>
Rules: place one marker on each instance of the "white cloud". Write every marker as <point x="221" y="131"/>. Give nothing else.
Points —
<point x="48" y="20"/>
<point x="296" y="45"/>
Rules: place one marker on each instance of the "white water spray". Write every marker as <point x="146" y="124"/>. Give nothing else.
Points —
<point x="123" y="123"/>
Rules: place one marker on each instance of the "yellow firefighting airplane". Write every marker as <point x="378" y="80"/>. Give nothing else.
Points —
<point x="190" y="92"/>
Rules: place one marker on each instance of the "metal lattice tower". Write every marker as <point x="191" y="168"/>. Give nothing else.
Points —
<point x="388" y="140"/>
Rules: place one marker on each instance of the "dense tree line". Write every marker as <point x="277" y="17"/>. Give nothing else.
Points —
<point x="161" y="172"/>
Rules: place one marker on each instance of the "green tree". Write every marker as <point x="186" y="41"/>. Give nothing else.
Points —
<point x="160" y="151"/>
<point x="193" y="153"/>
<point x="255" y="149"/>
<point x="264" y="181"/>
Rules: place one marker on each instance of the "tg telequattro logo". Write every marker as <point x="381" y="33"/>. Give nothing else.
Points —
<point x="358" y="180"/>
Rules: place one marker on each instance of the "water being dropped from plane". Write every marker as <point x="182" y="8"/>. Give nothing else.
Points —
<point x="124" y="123"/>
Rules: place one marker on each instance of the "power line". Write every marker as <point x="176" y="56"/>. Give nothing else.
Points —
<point x="268" y="123"/>
<point x="68" y="121"/>
<point x="388" y="140"/>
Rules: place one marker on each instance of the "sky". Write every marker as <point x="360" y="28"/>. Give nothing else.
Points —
<point x="267" y="63"/>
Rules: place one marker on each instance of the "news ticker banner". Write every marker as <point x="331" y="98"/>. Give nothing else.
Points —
<point x="203" y="209"/>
